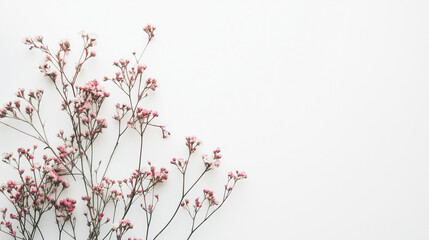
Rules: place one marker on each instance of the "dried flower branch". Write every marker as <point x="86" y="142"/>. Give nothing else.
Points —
<point x="40" y="183"/>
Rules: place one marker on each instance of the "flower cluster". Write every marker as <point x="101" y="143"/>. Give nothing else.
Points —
<point x="58" y="60"/>
<point x="10" y="230"/>
<point x="32" y="195"/>
<point x="129" y="79"/>
<point x="180" y="164"/>
<point x="149" y="29"/>
<point x="64" y="209"/>
<point x="157" y="177"/>
<point x="237" y="176"/>
<point x="121" y="111"/>
<point x="122" y="228"/>
<point x="15" y="109"/>
<point x="128" y="76"/>
<point x="208" y="195"/>
<point x="214" y="161"/>
<point x="87" y="106"/>
<point x="192" y="143"/>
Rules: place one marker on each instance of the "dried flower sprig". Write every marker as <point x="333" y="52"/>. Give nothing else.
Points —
<point x="41" y="182"/>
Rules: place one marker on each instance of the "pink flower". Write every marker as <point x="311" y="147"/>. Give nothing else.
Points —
<point x="149" y="30"/>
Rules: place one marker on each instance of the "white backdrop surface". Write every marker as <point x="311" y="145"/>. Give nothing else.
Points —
<point x="325" y="104"/>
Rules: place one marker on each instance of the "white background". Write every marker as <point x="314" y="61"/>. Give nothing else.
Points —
<point x="324" y="103"/>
